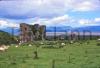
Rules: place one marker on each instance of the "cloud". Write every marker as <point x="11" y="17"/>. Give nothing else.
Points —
<point x="97" y="20"/>
<point x="64" y="20"/>
<point x="60" y="19"/>
<point x="56" y="21"/>
<point x="44" y="8"/>
<point x="87" y="5"/>
<point x="5" y="24"/>
<point x="89" y="22"/>
<point x="32" y="8"/>
<point x="84" y="22"/>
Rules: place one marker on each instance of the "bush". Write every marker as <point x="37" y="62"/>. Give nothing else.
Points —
<point x="52" y="46"/>
<point x="98" y="44"/>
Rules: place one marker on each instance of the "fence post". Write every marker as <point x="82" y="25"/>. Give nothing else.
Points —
<point x="69" y="59"/>
<point x="53" y="63"/>
<point x="55" y="33"/>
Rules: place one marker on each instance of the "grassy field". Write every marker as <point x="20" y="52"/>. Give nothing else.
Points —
<point x="77" y="55"/>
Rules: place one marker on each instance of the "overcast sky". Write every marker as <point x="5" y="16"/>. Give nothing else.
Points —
<point x="74" y="13"/>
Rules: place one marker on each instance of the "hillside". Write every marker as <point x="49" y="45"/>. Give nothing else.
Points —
<point x="82" y="54"/>
<point x="58" y="29"/>
<point x="6" y="38"/>
<point x="89" y="28"/>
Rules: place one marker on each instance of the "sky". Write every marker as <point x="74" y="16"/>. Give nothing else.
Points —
<point x="74" y="13"/>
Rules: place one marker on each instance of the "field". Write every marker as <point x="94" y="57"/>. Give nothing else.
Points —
<point x="82" y="54"/>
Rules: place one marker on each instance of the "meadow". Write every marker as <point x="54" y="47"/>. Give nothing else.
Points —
<point x="52" y="54"/>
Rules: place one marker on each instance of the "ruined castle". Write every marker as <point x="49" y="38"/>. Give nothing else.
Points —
<point x="32" y="32"/>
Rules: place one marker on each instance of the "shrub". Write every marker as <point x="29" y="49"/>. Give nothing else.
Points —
<point x="98" y="44"/>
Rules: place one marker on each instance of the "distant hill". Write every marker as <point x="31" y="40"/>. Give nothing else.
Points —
<point x="62" y="30"/>
<point x="80" y="29"/>
<point x="3" y="32"/>
<point x="58" y="29"/>
<point x="88" y="28"/>
<point x="9" y="30"/>
<point x="48" y="29"/>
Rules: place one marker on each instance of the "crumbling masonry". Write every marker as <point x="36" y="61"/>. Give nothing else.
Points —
<point x="32" y="32"/>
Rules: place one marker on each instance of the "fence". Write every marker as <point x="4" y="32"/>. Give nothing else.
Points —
<point x="69" y="34"/>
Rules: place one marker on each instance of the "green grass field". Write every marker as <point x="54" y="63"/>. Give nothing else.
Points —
<point x="83" y="55"/>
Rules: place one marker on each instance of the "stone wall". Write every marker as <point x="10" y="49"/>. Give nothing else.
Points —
<point x="32" y="32"/>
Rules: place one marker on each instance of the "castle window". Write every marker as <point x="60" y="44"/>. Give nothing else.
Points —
<point x="25" y="28"/>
